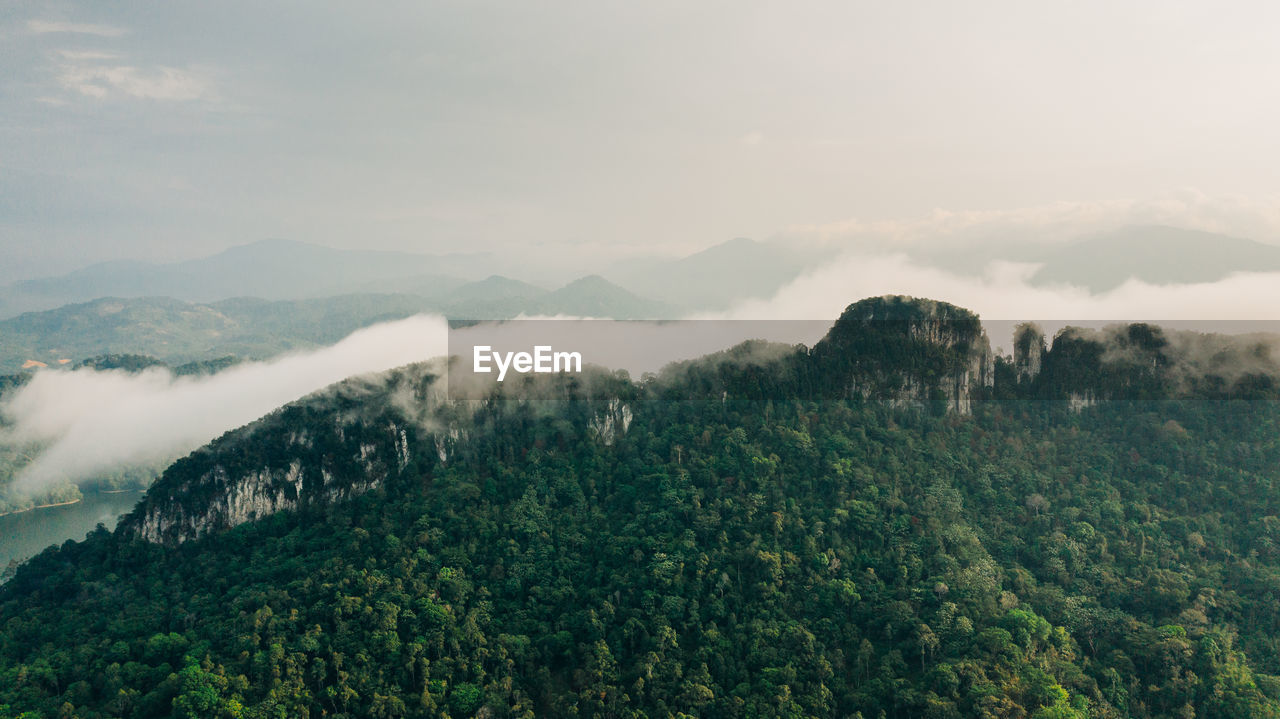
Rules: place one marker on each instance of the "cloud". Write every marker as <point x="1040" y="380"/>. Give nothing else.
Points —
<point x="83" y="55"/>
<point x="1004" y="293"/>
<point x="102" y="73"/>
<point x="45" y="27"/>
<point x="89" y="422"/>
<point x="753" y="138"/>
<point x="158" y="83"/>
<point x="92" y="421"/>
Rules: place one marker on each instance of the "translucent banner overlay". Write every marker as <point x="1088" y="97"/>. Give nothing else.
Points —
<point x="950" y="359"/>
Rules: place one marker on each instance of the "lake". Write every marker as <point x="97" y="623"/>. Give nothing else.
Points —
<point x="25" y="534"/>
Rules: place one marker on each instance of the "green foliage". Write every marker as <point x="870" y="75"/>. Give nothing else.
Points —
<point x="719" y="559"/>
<point x="724" y="558"/>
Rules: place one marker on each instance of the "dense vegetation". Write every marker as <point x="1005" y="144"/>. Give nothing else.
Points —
<point x="718" y="558"/>
<point x="753" y="559"/>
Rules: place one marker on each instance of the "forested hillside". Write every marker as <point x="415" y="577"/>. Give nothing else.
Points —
<point x="711" y="556"/>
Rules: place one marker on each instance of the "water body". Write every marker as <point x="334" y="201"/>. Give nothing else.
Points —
<point x="26" y="534"/>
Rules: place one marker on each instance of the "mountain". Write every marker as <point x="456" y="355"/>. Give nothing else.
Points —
<point x="492" y="298"/>
<point x="427" y="285"/>
<point x="500" y="297"/>
<point x="270" y="269"/>
<point x="673" y="547"/>
<point x="719" y="276"/>
<point x="252" y="328"/>
<point x="1155" y="254"/>
<point x="160" y="327"/>
<point x="595" y="296"/>
<point x="178" y="332"/>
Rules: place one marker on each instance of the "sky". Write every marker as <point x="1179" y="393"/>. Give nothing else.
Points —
<point x="164" y="131"/>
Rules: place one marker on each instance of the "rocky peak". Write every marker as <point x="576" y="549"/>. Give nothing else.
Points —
<point x="1028" y="350"/>
<point x="906" y="349"/>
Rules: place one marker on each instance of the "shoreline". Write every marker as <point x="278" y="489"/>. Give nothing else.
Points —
<point x="70" y="501"/>
<point x="42" y="506"/>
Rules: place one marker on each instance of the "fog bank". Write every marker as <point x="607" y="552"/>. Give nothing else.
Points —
<point x="91" y="420"/>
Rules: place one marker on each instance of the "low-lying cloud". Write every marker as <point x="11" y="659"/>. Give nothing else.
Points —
<point x="90" y="420"/>
<point x="1004" y="294"/>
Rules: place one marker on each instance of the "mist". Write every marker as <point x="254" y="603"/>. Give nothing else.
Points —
<point x="1004" y="295"/>
<point x="91" y="420"/>
<point x="88" y="422"/>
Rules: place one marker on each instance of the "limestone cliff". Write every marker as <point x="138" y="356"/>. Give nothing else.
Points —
<point x="905" y="350"/>
<point x="334" y="445"/>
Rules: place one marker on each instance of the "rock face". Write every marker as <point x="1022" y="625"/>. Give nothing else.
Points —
<point x="211" y="491"/>
<point x="611" y="422"/>
<point x="245" y="499"/>
<point x="1028" y="350"/>
<point x="352" y="439"/>
<point x="325" y="448"/>
<point x="906" y="350"/>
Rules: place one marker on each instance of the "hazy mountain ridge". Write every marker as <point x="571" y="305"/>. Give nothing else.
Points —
<point x="1156" y="254"/>
<point x="271" y="269"/>
<point x="594" y="296"/>
<point x="720" y="276"/>
<point x="252" y="328"/>
<point x="713" y="279"/>
<point x="291" y="270"/>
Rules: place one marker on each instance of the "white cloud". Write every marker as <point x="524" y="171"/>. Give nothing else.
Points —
<point x="45" y="27"/>
<point x="102" y="73"/>
<point x="159" y="83"/>
<point x="91" y="421"/>
<point x="83" y="55"/>
<point x="1004" y="292"/>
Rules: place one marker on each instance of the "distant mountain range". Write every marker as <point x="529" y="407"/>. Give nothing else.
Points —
<point x="270" y="269"/>
<point x="263" y="298"/>
<point x="721" y="276"/>
<point x="288" y="270"/>
<point x="1155" y="254"/>
<point x="176" y="331"/>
